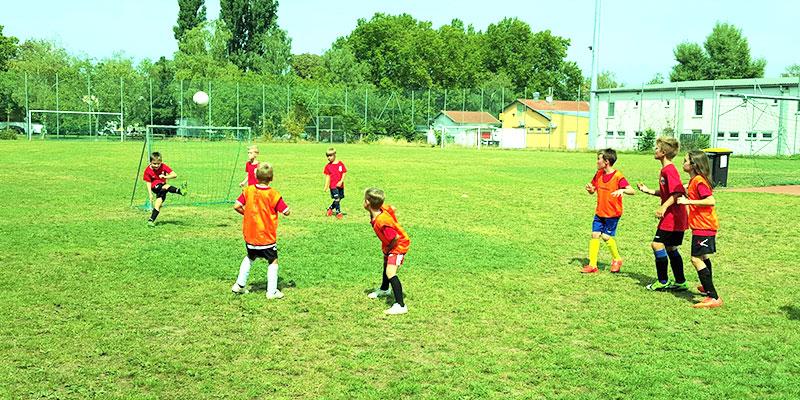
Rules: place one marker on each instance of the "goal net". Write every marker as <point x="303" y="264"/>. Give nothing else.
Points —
<point x="209" y="159"/>
<point x="754" y="124"/>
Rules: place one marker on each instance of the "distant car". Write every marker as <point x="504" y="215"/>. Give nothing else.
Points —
<point x="22" y="127"/>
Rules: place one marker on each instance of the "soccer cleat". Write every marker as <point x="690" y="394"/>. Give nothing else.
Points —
<point x="151" y="223"/>
<point x="588" y="269"/>
<point x="702" y="290"/>
<point x="239" y="289"/>
<point x="657" y="285"/>
<point x="708" y="302"/>
<point x="329" y="212"/>
<point x="396" y="309"/>
<point x="616" y="265"/>
<point x="680" y="286"/>
<point x="339" y="216"/>
<point x="379" y="293"/>
<point x="184" y="188"/>
<point x="277" y="295"/>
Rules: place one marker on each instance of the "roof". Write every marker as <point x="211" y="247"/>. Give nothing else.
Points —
<point x="709" y="84"/>
<point x="556" y="105"/>
<point x="470" y="117"/>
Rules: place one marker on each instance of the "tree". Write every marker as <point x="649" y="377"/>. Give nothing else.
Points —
<point x="165" y="106"/>
<point x="792" y="70"/>
<point x="341" y="66"/>
<point x="8" y="49"/>
<point x="203" y="53"/>
<point x="725" y="55"/>
<point x="274" y="53"/>
<point x="607" y="80"/>
<point x="191" y="14"/>
<point x="308" y="66"/>
<point x="658" y="79"/>
<point x="248" y="21"/>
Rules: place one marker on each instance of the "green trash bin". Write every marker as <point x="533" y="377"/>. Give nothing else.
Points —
<point x="719" y="159"/>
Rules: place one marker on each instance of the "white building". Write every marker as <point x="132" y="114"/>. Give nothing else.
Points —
<point x="741" y="114"/>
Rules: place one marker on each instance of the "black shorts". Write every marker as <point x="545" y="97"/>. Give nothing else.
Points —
<point x="669" y="238"/>
<point x="159" y="191"/>
<point x="702" y="245"/>
<point x="268" y="252"/>
<point x="337" y="193"/>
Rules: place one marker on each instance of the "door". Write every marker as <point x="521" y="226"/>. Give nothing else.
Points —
<point x="572" y="140"/>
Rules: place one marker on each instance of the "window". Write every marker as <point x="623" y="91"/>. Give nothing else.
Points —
<point x="610" y="133"/>
<point x="638" y="133"/>
<point x="721" y="135"/>
<point x="610" y="108"/>
<point x="733" y="135"/>
<point x="766" y="135"/>
<point x="752" y="135"/>
<point x="774" y="102"/>
<point x="697" y="131"/>
<point x="621" y="133"/>
<point x="667" y="106"/>
<point x="698" y="107"/>
<point x="636" y="104"/>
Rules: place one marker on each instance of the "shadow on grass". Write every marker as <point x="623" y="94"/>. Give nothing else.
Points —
<point x="389" y="300"/>
<point x="175" y="222"/>
<point x="581" y="261"/>
<point x="643" y="280"/>
<point x="792" y="312"/>
<point x="261" y="286"/>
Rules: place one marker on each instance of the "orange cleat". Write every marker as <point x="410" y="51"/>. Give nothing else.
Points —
<point x="616" y="265"/>
<point x="329" y="212"/>
<point x="339" y="216"/>
<point x="588" y="269"/>
<point x="709" y="302"/>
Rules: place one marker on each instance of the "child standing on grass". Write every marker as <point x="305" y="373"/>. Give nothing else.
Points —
<point x="394" y="243"/>
<point x="250" y="167"/>
<point x="334" y="181"/>
<point x="703" y="222"/>
<point x="260" y="205"/>
<point x="610" y="185"/>
<point x="157" y="174"/>
<point x="672" y="218"/>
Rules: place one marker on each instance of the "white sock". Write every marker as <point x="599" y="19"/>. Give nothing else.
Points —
<point x="272" y="278"/>
<point x="244" y="271"/>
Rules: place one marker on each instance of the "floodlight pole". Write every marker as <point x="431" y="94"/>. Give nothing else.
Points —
<point x="593" y="88"/>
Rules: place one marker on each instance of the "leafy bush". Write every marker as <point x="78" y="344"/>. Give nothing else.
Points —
<point x="8" y="134"/>
<point x="694" y="141"/>
<point x="647" y="141"/>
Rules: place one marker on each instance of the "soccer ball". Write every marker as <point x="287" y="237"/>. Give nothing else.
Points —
<point x="200" y="98"/>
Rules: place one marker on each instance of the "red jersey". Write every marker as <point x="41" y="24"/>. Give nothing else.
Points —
<point x="387" y="228"/>
<point x="669" y="184"/>
<point x="250" y="168"/>
<point x="261" y="208"/>
<point x="335" y="171"/>
<point x="608" y="206"/>
<point x="702" y="219"/>
<point x="154" y="176"/>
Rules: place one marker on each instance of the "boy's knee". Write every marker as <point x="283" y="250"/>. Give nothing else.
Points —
<point x="605" y="237"/>
<point x="657" y="246"/>
<point x="595" y="235"/>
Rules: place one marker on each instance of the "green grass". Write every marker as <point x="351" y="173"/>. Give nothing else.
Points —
<point x="93" y="304"/>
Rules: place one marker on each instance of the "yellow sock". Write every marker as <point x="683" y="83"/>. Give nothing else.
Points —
<point x="612" y="245"/>
<point x="594" y="248"/>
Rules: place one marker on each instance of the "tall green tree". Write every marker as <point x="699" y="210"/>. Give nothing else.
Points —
<point x="8" y="49"/>
<point x="725" y="55"/>
<point x="202" y="54"/>
<point x="607" y="80"/>
<point x="249" y="21"/>
<point x="341" y="65"/>
<point x="191" y="14"/>
<point x="165" y="105"/>
<point x="308" y="66"/>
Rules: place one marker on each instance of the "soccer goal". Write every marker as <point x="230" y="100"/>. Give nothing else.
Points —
<point x="210" y="159"/>
<point x="67" y="124"/>
<point x="756" y="124"/>
<point x="464" y="135"/>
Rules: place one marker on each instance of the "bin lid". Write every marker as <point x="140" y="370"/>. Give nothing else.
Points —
<point x="718" y="150"/>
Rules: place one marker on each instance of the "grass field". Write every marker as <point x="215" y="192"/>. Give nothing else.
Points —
<point x="94" y="304"/>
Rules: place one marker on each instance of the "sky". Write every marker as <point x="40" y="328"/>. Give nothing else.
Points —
<point x="637" y="37"/>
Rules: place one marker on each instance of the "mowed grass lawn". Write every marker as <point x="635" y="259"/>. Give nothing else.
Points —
<point x="94" y="304"/>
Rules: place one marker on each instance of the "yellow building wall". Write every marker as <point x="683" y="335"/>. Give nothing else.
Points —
<point x="537" y="127"/>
